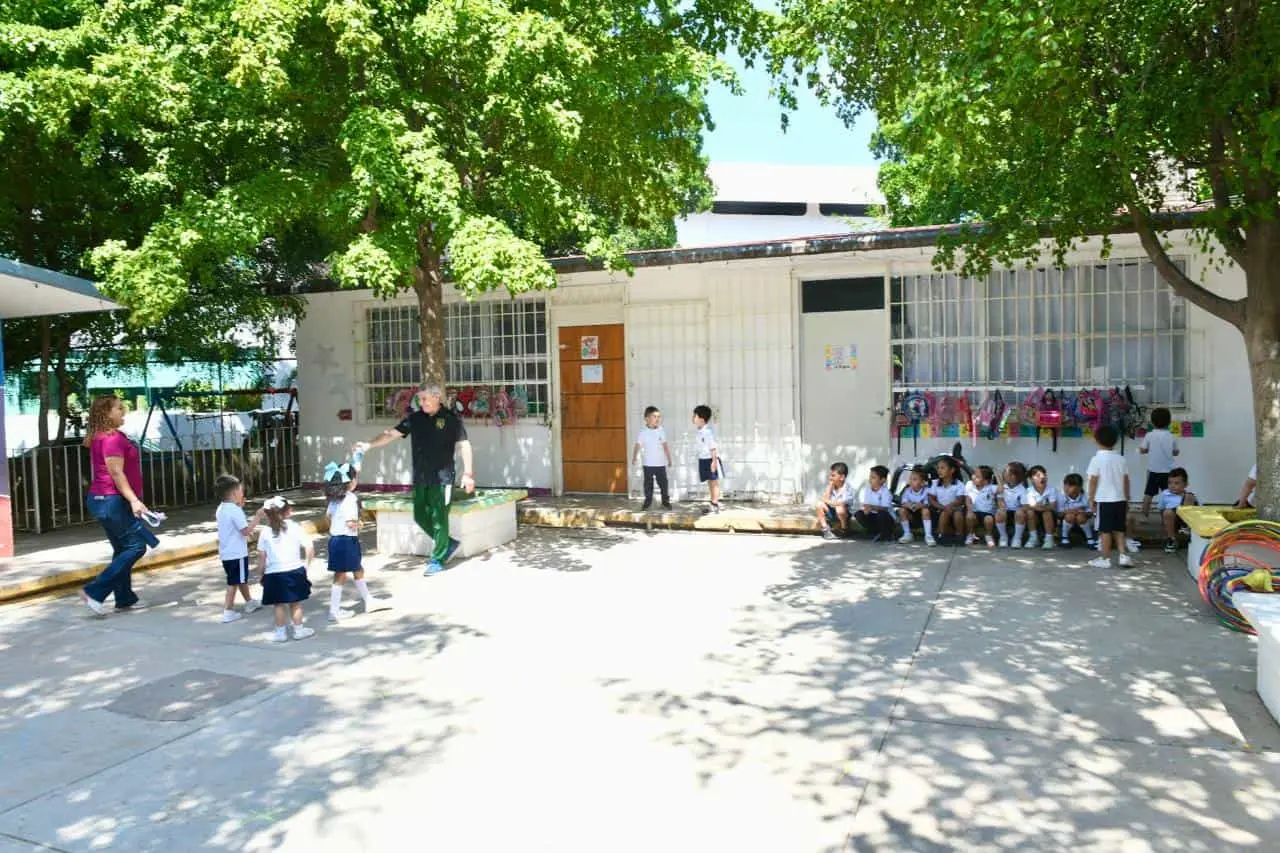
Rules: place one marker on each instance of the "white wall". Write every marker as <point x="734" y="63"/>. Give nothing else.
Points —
<point x="718" y="229"/>
<point x="328" y="339"/>
<point x="750" y="313"/>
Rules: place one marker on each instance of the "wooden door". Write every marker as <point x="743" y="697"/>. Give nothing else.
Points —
<point x="593" y="409"/>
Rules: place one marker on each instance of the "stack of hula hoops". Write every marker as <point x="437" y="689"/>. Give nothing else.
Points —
<point x="1230" y="565"/>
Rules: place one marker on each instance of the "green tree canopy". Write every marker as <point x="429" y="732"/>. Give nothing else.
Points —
<point x="415" y="141"/>
<point x="1070" y="117"/>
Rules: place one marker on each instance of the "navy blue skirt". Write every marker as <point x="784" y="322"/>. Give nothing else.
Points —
<point x="344" y="554"/>
<point x="286" y="587"/>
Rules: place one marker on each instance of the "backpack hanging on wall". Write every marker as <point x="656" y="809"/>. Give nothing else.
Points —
<point x="916" y="408"/>
<point x="964" y="416"/>
<point x="1089" y="409"/>
<point x="1117" y="414"/>
<point x="1135" y="418"/>
<point x="990" y="419"/>
<point x="1049" y="417"/>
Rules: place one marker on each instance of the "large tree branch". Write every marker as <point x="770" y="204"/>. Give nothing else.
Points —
<point x="1231" y="310"/>
<point x="1228" y="232"/>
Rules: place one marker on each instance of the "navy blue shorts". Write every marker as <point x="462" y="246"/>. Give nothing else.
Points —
<point x="237" y="571"/>
<point x="344" y="554"/>
<point x="286" y="587"/>
<point x="704" y="471"/>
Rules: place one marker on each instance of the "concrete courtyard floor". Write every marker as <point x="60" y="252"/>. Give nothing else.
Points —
<point x="618" y="690"/>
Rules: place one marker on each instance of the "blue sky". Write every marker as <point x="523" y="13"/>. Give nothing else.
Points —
<point x="748" y="129"/>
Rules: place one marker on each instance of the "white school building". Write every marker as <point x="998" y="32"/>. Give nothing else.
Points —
<point x="799" y="346"/>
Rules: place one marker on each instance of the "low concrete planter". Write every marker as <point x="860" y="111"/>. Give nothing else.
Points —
<point x="480" y="522"/>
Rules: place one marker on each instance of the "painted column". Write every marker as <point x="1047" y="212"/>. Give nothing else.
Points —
<point x="6" y="511"/>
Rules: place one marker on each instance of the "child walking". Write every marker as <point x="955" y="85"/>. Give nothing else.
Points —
<point x="708" y="455"/>
<point x="284" y="553"/>
<point x="1109" y="493"/>
<point x="1042" y="501"/>
<point x="1168" y="501"/>
<point x="876" y="514"/>
<point x="980" y="503"/>
<point x="946" y="501"/>
<point x="1013" y="498"/>
<point x="1160" y="447"/>
<point x="1075" y="510"/>
<point x="913" y="507"/>
<point x="654" y="453"/>
<point x="234" y="532"/>
<point x="344" y="539"/>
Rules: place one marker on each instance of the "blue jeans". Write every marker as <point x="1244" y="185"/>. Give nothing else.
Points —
<point x="129" y="541"/>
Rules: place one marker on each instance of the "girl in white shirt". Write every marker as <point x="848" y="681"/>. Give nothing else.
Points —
<point x="1042" y="501"/>
<point x="946" y="500"/>
<point x="345" y="559"/>
<point x="980" y="500"/>
<point x="284" y="552"/>
<point x="913" y="505"/>
<point x="1013" y="493"/>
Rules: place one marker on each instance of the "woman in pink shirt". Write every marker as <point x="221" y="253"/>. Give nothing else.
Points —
<point x="115" y="500"/>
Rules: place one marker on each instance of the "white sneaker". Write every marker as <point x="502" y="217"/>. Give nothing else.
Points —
<point x="970" y="539"/>
<point x="373" y="604"/>
<point x="1100" y="563"/>
<point x="338" y="615"/>
<point x="279" y="635"/>
<point x="1125" y="561"/>
<point x="252" y="605"/>
<point x="930" y="541"/>
<point x="96" y="607"/>
<point x="1033" y="541"/>
<point x="1134" y="545"/>
<point x="906" y="539"/>
<point x="1004" y="542"/>
<point x="1015" y="544"/>
<point x="301" y="632"/>
<point x="1048" y="544"/>
<point x="991" y="542"/>
<point x="231" y="616"/>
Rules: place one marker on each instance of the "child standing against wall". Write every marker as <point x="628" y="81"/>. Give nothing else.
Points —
<point x="653" y="452"/>
<point x="1109" y="494"/>
<point x="708" y="455"/>
<point x="1160" y="447"/>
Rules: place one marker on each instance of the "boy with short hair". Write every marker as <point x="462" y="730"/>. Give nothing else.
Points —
<point x="1168" y="501"/>
<point x="1159" y="446"/>
<point x="708" y="455"/>
<point x="876" y="514"/>
<point x="653" y="452"/>
<point x="914" y="506"/>
<point x="834" y="506"/>
<point x="1075" y="510"/>
<point x="1109" y="495"/>
<point x="234" y="531"/>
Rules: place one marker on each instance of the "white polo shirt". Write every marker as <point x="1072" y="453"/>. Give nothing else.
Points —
<point x="1161" y="447"/>
<point x="1014" y="496"/>
<point x="983" y="497"/>
<point x="232" y="544"/>
<point x="947" y="495"/>
<point x="1048" y="499"/>
<point x="1108" y="466"/>
<point x="706" y="441"/>
<point x="651" y="441"/>
<point x="880" y="497"/>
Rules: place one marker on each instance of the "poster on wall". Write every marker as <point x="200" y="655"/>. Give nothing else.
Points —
<point x="841" y="356"/>
<point x="590" y="348"/>
<point x="593" y="374"/>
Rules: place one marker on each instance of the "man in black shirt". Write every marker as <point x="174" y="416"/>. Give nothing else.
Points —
<point x="435" y="434"/>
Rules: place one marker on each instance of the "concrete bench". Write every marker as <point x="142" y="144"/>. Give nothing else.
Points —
<point x="480" y="522"/>
<point x="1263" y="612"/>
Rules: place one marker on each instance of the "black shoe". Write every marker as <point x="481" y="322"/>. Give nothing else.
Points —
<point x="875" y="537"/>
<point x="644" y="506"/>
<point x="1171" y="546"/>
<point x="666" y="505"/>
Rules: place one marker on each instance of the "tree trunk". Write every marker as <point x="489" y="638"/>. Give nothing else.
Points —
<point x="428" y="283"/>
<point x="1262" y="343"/>
<point x="42" y="380"/>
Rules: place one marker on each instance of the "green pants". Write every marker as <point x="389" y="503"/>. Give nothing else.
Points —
<point x="431" y="512"/>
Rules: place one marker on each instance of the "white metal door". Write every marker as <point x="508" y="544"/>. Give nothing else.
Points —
<point x="845" y="393"/>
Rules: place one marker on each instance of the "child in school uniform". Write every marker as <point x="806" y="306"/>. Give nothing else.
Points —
<point x="980" y="503"/>
<point x="654" y="454"/>
<point x="1109" y="493"/>
<point x="836" y="504"/>
<point x="1160" y="447"/>
<point x="708" y="455"/>
<point x="343" y="511"/>
<point x="284" y="552"/>
<point x="1075" y="510"/>
<point x="1167" y="502"/>
<point x="234" y="531"/>
<point x="913" y="507"/>
<point x="1012" y="502"/>
<point x="947" y="501"/>
<point x="1042" y="505"/>
<point x="876" y="514"/>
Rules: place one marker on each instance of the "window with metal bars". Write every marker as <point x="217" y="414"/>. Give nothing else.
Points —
<point x="1097" y="325"/>
<point x="487" y="345"/>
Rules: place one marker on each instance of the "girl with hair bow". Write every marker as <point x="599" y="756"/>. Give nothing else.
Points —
<point x="343" y="512"/>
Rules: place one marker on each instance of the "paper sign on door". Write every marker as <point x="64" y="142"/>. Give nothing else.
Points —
<point x="592" y="374"/>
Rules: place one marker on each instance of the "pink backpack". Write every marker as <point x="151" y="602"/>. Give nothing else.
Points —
<point x="1049" y="417"/>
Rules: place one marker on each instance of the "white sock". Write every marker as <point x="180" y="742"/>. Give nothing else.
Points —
<point x="363" y="589"/>
<point x="906" y="528"/>
<point x="335" y="598"/>
<point x="928" y="527"/>
<point x="1066" y="529"/>
<point x="1087" y="527"/>
<point x="1018" y="530"/>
